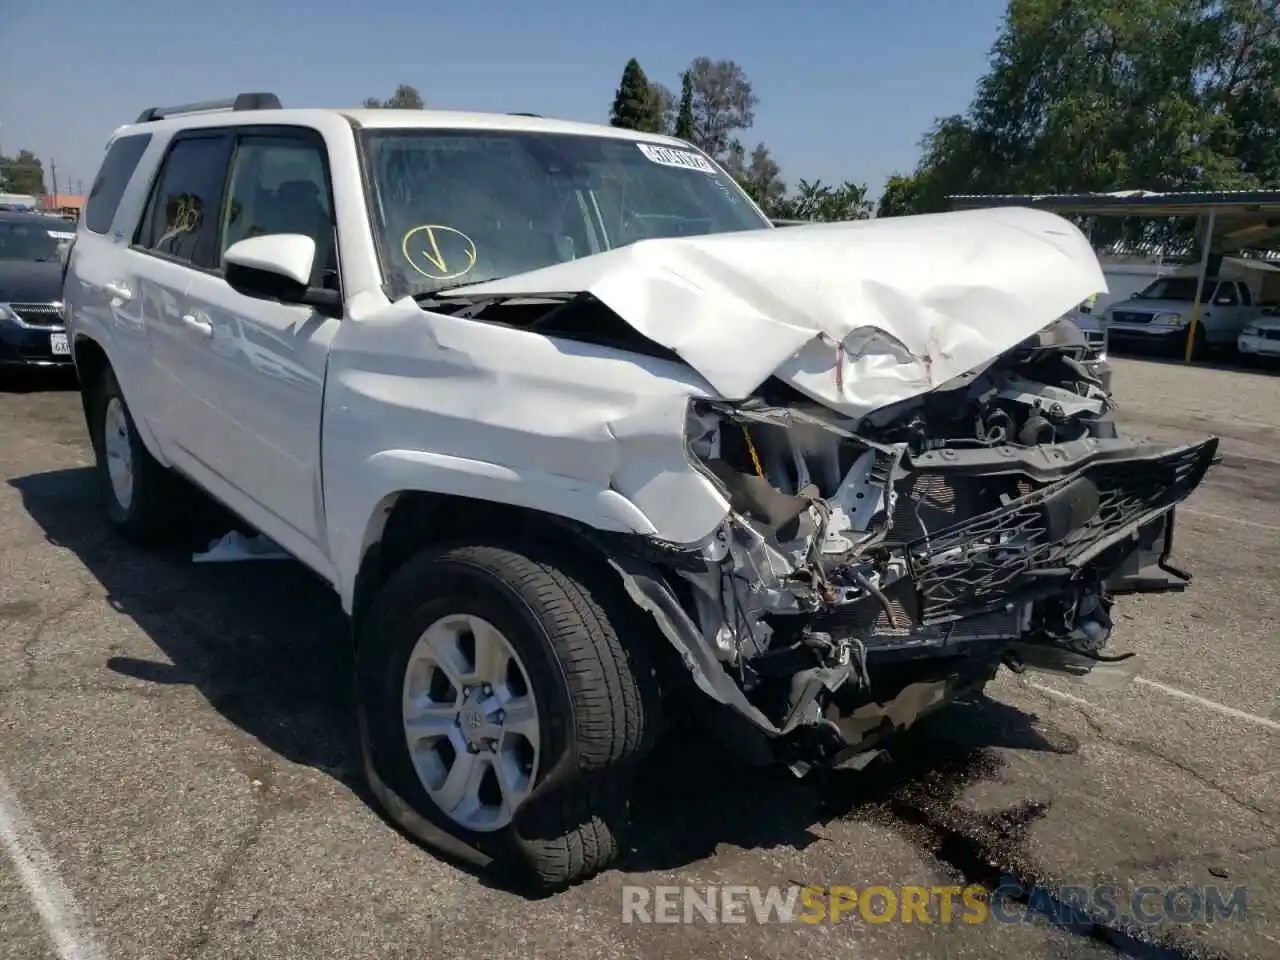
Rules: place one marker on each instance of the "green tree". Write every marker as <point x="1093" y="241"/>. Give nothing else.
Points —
<point x="1100" y="95"/>
<point x="759" y="175"/>
<point x="22" y="174"/>
<point x="901" y="197"/>
<point x="684" y="125"/>
<point x="635" y="106"/>
<point x="814" y="200"/>
<point x="723" y="103"/>
<point x="405" y="98"/>
<point x="663" y="106"/>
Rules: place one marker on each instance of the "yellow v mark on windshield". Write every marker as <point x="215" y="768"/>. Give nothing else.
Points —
<point x="434" y="254"/>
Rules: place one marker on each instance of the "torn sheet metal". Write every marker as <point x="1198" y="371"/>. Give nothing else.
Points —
<point x="857" y="315"/>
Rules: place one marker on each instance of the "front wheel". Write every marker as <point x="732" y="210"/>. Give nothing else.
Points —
<point x="502" y="704"/>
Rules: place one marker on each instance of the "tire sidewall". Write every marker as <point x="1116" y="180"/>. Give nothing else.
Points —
<point x="107" y="389"/>
<point x="454" y="586"/>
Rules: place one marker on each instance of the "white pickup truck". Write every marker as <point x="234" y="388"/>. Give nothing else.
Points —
<point x="574" y="432"/>
<point x="1160" y="314"/>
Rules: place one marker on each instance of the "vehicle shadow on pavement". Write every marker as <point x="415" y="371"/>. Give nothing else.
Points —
<point x="267" y="644"/>
<point x="723" y="802"/>
<point x="1234" y="363"/>
<point x="38" y="381"/>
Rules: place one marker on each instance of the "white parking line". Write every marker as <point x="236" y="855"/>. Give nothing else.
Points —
<point x="1219" y="516"/>
<point x="1208" y="704"/>
<point x="1062" y="695"/>
<point x="53" y="901"/>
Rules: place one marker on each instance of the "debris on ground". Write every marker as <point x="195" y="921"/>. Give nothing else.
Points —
<point x="235" y="546"/>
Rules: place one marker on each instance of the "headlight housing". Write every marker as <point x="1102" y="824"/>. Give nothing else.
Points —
<point x="1170" y="320"/>
<point x="1250" y="331"/>
<point x="7" y="317"/>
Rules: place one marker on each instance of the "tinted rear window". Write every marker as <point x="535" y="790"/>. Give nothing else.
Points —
<point x="117" y="167"/>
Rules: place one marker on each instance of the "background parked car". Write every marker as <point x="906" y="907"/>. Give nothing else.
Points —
<point x="1262" y="336"/>
<point x="33" y="250"/>
<point x="1160" y="314"/>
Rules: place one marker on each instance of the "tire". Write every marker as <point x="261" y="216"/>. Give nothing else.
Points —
<point x="150" y="504"/>
<point x="596" y="697"/>
<point x="1200" y="349"/>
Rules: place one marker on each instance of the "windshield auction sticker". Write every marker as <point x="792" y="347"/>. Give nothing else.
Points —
<point x="670" y="157"/>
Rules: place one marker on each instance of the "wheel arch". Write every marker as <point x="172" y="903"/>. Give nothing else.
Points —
<point x="410" y="521"/>
<point x="407" y="522"/>
<point x="91" y="362"/>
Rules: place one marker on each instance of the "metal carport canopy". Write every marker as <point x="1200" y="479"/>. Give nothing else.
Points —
<point x="1226" y="220"/>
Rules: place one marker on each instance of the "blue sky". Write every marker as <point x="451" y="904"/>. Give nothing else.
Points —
<point x="846" y="88"/>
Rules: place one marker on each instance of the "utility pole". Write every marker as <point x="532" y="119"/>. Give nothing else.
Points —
<point x="53" y="172"/>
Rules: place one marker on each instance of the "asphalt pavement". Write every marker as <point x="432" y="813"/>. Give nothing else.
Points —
<point x="179" y="776"/>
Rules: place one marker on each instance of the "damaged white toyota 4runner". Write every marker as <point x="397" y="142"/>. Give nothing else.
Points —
<point x="575" y="434"/>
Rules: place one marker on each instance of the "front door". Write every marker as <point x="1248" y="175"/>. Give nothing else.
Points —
<point x="261" y="366"/>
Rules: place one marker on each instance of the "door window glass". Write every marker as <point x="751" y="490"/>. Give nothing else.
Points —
<point x="181" y="219"/>
<point x="279" y="184"/>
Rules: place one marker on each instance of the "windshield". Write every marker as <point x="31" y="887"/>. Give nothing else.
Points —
<point x="458" y="207"/>
<point x="1176" y="288"/>
<point x="32" y="242"/>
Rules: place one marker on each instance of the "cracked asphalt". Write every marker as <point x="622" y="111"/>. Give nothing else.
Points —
<point x="178" y="739"/>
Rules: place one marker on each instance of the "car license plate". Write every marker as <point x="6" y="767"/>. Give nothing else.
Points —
<point x="58" y="343"/>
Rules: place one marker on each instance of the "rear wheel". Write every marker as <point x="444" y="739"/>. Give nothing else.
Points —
<point x="143" y="500"/>
<point x="502" y="705"/>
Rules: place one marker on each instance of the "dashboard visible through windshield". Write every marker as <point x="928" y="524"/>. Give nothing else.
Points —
<point x="460" y="207"/>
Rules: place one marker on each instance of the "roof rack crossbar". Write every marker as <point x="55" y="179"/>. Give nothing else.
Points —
<point x="538" y="115"/>
<point x="243" y="101"/>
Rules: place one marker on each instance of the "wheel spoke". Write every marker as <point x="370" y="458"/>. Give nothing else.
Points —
<point x="512" y="781"/>
<point x="491" y="655"/>
<point x="521" y="718"/>
<point x="459" y="795"/>
<point x="442" y="639"/>
<point x="433" y="720"/>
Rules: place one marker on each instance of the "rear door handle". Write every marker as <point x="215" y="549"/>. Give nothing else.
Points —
<point x="199" y="324"/>
<point x="118" y="290"/>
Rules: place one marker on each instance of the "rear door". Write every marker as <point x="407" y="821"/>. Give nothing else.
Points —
<point x="177" y="238"/>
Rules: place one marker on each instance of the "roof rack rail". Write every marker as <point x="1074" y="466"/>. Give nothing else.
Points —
<point x="243" y="101"/>
<point x="538" y="115"/>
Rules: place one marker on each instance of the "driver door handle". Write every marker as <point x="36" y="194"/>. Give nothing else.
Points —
<point x="199" y="324"/>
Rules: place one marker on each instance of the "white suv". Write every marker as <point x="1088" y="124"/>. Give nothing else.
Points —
<point x="575" y="432"/>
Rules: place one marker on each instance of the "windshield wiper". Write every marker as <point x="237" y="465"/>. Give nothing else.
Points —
<point x="458" y="286"/>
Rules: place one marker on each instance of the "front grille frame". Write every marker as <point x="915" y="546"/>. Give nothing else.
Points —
<point x="38" y="316"/>
<point x="1131" y="316"/>
<point x="959" y="573"/>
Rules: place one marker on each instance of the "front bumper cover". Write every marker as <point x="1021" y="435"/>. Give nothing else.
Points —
<point x="1103" y="509"/>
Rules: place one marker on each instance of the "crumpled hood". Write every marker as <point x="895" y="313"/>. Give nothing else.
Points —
<point x="856" y="315"/>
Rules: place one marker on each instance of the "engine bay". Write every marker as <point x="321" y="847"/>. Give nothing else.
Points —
<point x="998" y="510"/>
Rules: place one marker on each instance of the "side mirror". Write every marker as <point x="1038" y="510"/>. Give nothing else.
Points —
<point x="277" y="266"/>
